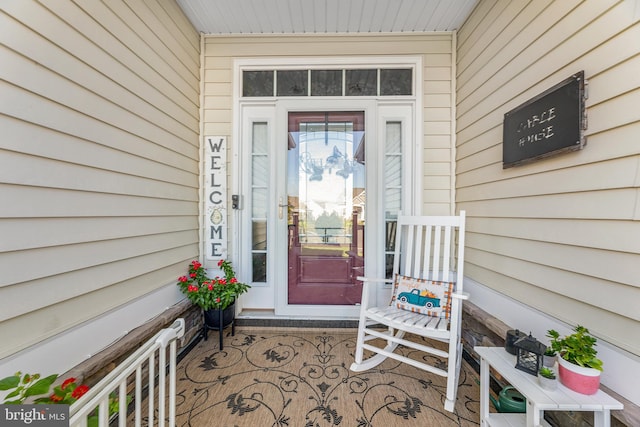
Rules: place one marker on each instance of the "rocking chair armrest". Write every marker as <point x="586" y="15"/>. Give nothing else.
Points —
<point x="461" y="295"/>
<point x="374" y="279"/>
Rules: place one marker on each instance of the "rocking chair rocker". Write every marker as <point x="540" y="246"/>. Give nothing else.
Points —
<point x="431" y="304"/>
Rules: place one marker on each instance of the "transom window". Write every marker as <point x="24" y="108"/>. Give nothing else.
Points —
<point x="342" y="82"/>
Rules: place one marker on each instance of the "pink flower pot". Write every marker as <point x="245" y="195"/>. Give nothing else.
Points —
<point x="577" y="378"/>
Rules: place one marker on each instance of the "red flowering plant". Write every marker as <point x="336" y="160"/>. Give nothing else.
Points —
<point x="27" y="388"/>
<point x="31" y="386"/>
<point x="217" y="293"/>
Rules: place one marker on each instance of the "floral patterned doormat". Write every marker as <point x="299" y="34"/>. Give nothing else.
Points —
<point x="298" y="377"/>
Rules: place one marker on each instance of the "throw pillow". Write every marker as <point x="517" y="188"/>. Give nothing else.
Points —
<point x="429" y="297"/>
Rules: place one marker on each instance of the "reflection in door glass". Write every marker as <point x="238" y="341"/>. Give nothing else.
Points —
<point x="326" y="197"/>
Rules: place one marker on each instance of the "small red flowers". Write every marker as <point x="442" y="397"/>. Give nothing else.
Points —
<point x="66" y="382"/>
<point x="55" y="398"/>
<point x="79" y="391"/>
<point x="208" y="293"/>
<point x="30" y="386"/>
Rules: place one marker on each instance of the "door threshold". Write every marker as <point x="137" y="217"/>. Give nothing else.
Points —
<point x="268" y="318"/>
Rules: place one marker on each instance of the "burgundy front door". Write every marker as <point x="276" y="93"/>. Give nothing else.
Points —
<point x="326" y="206"/>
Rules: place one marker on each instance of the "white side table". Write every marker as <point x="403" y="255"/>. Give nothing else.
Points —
<point x="538" y="399"/>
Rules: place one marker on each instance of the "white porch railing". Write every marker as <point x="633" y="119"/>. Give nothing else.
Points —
<point x="142" y="363"/>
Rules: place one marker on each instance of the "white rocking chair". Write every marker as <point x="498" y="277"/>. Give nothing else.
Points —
<point x="425" y="247"/>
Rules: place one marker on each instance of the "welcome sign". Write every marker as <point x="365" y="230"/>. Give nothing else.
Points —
<point x="215" y="204"/>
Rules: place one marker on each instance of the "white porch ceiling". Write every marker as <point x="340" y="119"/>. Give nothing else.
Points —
<point x="325" y="16"/>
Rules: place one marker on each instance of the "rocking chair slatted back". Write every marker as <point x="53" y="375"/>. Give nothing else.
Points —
<point x="427" y="248"/>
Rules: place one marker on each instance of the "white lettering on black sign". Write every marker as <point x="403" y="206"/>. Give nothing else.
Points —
<point x="548" y="124"/>
<point x="537" y="127"/>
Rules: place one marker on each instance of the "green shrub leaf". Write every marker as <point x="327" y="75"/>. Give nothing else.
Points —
<point x="9" y="382"/>
<point x="41" y="386"/>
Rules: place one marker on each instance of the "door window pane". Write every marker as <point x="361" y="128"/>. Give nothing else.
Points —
<point x="259" y="235"/>
<point x="259" y="267"/>
<point x="396" y="81"/>
<point x="361" y="83"/>
<point x="393" y="167"/>
<point x="259" y="203"/>
<point x="257" y="83"/>
<point x="292" y="83"/>
<point x="260" y="166"/>
<point x="326" y="82"/>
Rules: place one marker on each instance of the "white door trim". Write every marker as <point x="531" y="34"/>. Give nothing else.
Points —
<point x="275" y="291"/>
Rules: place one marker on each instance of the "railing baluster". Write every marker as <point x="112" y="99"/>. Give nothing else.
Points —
<point x="162" y="353"/>
<point x="172" y="385"/>
<point x="122" y="404"/>
<point x="138" y="404"/>
<point x="152" y="392"/>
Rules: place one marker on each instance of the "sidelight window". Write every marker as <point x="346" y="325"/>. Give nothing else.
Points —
<point x="259" y="200"/>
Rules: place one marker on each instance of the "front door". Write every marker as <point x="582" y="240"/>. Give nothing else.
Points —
<point x="313" y="211"/>
<point x="326" y="198"/>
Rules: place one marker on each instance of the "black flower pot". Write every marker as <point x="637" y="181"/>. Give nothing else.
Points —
<point x="218" y="320"/>
<point x="212" y="317"/>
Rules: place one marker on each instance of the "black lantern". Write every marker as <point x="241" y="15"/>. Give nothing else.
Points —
<point x="529" y="352"/>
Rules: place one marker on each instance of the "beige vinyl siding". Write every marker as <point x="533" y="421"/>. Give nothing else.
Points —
<point x="99" y="156"/>
<point x="559" y="234"/>
<point x="436" y="49"/>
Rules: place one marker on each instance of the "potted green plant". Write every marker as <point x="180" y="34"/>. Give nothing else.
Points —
<point x="217" y="293"/>
<point x="212" y="295"/>
<point x="578" y="366"/>
<point x="547" y="378"/>
<point x="549" y="357"/>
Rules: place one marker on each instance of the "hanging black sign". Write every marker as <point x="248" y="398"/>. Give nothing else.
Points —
<point x="548" y="124"/>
